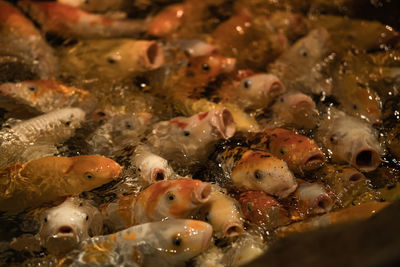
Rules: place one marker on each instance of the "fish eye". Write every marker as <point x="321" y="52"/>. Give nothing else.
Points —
<point x="88" y="175"/>
<point x="205" y="67"/>
<point x="170" y="196"/>
<point x="87" y="218"/>
<point x="355" y="106"/>
<point x="247" y="84"/>
<point x="128" y="125"/>
<point x="177" y="241"/>
<point x="207" y="217"/>
<point x="258" y="174"/>
<point x="304" y="53"/>
<point x="333" y="139"/>
<point x="250" y="206"/>
<point x="186" y="133"/>
<point x="114" y="58"/>
<point x="68" y="123"/>
<point x="111" y="60"/>
<point x="32" y="87"/>
<point x="45" y="219"/>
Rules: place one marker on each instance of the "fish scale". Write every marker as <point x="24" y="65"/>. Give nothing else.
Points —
<point x="53" y="124"/>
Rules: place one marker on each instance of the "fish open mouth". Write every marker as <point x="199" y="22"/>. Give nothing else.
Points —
<point x="65" y="230"/>
<point x="313" y="161"/>
<point x="367" y="160"/>
<point x="158" y="175"/>
<point x="322" y="204"/>
<point x="352" y="176"/>
<point x="202" y="193"/>
<point x="232" y="229"/>
<point x="154" y="56"/>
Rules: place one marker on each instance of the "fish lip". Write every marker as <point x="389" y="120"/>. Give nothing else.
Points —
<point x="313" y="161"/>
<point x="322" y="204"/>
<point x="274" y="87"/>
<point x="153" y="56"/>
<point x="202" y="194"/>
<point x="304" y="102"/>
<point x="232" y="229"/>
<point x="352" y="176"/>
<point x="207" y="237"/>
<point x="366" y="159"/>
<point x="158" y="174"/>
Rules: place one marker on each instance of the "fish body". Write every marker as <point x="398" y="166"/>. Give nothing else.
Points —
<point x="37" y="137"/>
<point x="47" y="179"/>
<point x="178" y="198"/>
<point x="249" y="169"/>
<point x="63" y="227"/>
<point x="119" y="131"/>
<point x="300" y="66"/>
<point x="170" y="242"/>
<point x="349" y="33"/>
<point x="233" y="35"/>
<point x="116" y="59"/>
<point x="357" y="99"/>
<point x="43" y="96"/>
<point x="21" y="40"/>
<point x="350" y="140"/>
<point x="354" y="213"/>
<point x="167" y="21"/>
<point x="98" y="6"/>
<point x="71" y="22"/>
<point x="118" y="215"/>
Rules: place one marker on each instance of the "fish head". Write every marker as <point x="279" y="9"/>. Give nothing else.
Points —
<point x="129" y="56"/>
<point x="204" y="69"/>
<point x="181" y="240"/>
<point x="359" y="100"/>
<point x="223" y="213"/>
<point x="299" y="102"/>
<point x="174" y="198"/>
<point x="310" y="49"/>
<point x="36" y="93"/>
<point x="259" y="90"/>
<point x="63" y="227"/>
<point x="300" y="152"/>
<point x="151" y="167"/>
<point x="259" y="170"/>
<point x="313" y="198"/>
<point x="297" y="109"/>
<point x="91" y="171"/>
<point x="193" y="136"/>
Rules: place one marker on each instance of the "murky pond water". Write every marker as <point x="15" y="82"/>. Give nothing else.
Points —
<point x="283" y="116"/>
